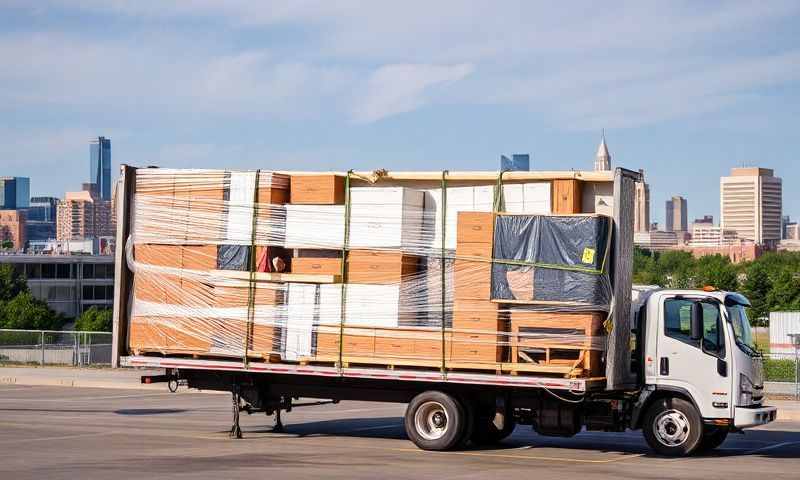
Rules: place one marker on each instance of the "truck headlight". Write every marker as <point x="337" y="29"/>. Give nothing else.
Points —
<point x="745" y="390"/>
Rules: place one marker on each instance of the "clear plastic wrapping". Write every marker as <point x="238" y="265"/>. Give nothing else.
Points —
<point x="417" y="273"/>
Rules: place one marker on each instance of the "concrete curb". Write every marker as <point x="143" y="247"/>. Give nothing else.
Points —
<point x="76" y="377"/>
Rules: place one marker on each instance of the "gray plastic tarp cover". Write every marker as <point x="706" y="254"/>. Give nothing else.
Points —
<point x="559" y="247"/>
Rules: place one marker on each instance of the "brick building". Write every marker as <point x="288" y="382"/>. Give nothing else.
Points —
<point x="12" y="229"/>
<point x="84" y="215"/>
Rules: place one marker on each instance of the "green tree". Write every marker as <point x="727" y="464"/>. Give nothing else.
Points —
<point x="26" y="312"/>
<point x="716" y="271"/>
<point x="785" y="293"/>
<point x="676" y="267"/>
<point x="94" y="320"/>
<point x="11" y="283"/>
<point x="756" y="288"/>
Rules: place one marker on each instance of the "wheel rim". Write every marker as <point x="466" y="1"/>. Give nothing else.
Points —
<point x="431" y="420"/>
<point x="672" y="428"/>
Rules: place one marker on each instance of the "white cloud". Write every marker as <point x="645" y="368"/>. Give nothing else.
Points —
<point x="588" y="65"/>
<point x="394" y="89"/>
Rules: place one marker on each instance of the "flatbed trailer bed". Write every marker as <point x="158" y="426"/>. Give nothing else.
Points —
<point x="573" y="385"/>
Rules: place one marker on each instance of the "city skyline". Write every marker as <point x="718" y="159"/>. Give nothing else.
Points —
<point x="253" y="86"/>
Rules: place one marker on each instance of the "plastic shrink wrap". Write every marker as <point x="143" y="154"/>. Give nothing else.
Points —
<point x="277" y="267"/>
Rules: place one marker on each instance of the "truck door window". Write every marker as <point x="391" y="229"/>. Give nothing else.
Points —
<point x="713" y="338"/>
<point x="678" y="320"/>
<point x="678" y="325"/>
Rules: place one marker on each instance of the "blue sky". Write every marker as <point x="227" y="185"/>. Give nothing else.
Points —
<point x="684" y="90"/>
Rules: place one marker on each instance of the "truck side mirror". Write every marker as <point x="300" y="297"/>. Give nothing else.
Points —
<point x="697" y="321"/>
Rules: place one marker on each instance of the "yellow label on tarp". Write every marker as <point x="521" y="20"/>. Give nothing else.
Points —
<point x="588" y="255"/>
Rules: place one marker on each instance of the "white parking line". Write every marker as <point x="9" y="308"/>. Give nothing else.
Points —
<point x="61" y="437"/>
<point x="83" y="399"/>
<point x="376" y="427"/>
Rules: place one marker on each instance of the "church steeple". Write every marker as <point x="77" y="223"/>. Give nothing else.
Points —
<point x="602" y="161"/>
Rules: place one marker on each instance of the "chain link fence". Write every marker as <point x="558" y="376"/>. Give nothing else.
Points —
<point x="52" y="347"/>
<point x="782" y="374"/>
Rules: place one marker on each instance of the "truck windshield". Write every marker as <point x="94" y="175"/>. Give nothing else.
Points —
<point x="741" y="328"/>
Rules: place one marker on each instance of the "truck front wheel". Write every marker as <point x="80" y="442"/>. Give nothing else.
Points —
<point x="673" y="427"/>
<point x="712" y="438"/>
<point x="435" y="421"/>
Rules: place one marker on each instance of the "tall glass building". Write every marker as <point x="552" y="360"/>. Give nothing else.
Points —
<point x="100" y="166"/>
<point x="15" y="192"/>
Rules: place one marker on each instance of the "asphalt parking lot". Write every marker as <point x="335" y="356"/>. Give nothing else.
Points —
<point x="62" y="432"/>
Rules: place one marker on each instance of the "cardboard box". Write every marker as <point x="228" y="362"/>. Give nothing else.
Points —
<point x="156" y="287"/>
<point x="386" y="217"/>
<point x="314" y="226"/>
<point x="380" y="267"/>
<point x="273" y="188"/>
<point x="472" y="280"/>
<point x="239" y="296"/>
<point x="157" y="255"/>
<point x="167" y="334"/>
<point x="433" y="281"/>
<point x="199" y="257"/>
<point x="475" y="227"/>
<point x="321" y="266"/>
<point x="325" y="189"/>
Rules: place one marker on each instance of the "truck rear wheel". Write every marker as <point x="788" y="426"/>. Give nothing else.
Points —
<point x="673" y="427"/>
<point x="485" y="432"/>
<point x="435" y="421"/>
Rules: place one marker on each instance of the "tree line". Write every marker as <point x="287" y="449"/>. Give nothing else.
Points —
<point x="771" y="282"/>
<point x="19" y="309"/>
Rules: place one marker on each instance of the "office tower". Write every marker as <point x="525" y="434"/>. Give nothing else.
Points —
<point x="517" y="162"/>
<point x="751" y="204"/>
<point x="84" y="215"/>
<point x="43" y="209"/>
<point x="676" y="220"/>
<point x="641" y="217"/>
<point x="100" y="166"/>
<point x="14" y="192"/>
<point x="785" y="220"/>
<point x="40" y="222"/>
<point x="602" y="160"/>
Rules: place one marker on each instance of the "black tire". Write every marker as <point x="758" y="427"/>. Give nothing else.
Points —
<point x="673" y="427"/>
<point x="470" y="410"/>
<point x="435" y="421"/>
<point x="712" y="438"/>
<point x="485" y="432"/>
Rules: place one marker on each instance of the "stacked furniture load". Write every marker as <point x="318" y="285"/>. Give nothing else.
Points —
<point x="375" y="271"/>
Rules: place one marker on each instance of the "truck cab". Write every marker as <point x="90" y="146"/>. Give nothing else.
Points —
<point x="698" y="363"/>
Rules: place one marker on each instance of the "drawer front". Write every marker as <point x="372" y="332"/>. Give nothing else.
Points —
<point x="472" y="280"/>
<point x="476" y="347"/>
<point x="358" y="345"/>
<point x="477" y="325"/>
<point x="387" y="346"/>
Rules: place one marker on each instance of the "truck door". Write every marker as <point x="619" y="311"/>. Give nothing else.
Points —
<point x="700" y="367"/>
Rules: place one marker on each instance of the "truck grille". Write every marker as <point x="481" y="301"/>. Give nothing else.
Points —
<point x="758" y="371"/>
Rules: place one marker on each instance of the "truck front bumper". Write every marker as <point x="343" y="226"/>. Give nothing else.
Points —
<point x="744" y="417"/>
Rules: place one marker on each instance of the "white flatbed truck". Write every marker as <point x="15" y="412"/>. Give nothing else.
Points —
<point x="680" y="365"/>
